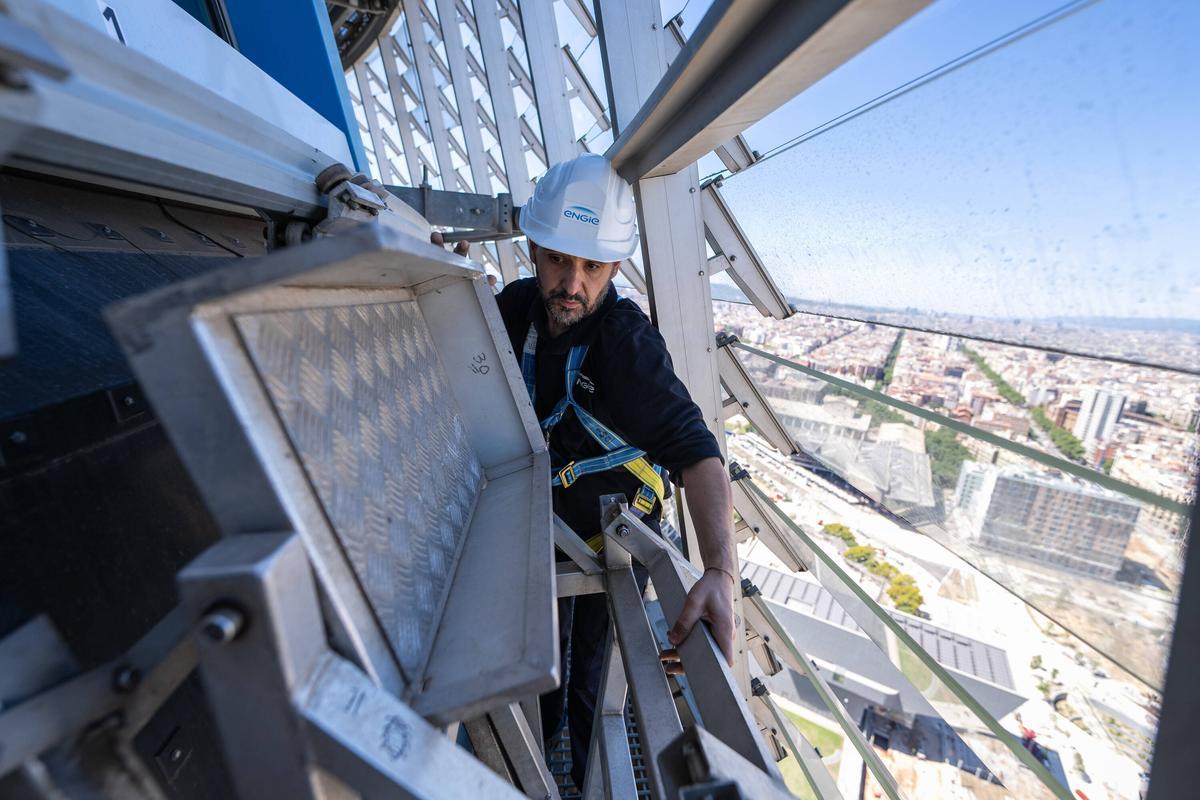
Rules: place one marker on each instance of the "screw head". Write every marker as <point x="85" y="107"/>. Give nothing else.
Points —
<point x="222" y="624"/>
<point x="126" y="679"/>
<point x="622" y="530"/>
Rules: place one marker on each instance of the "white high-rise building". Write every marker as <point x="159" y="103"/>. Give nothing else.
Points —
<point x="1098" y="415"/>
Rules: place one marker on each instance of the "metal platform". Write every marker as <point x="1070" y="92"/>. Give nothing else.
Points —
<point x="361" y="391"/>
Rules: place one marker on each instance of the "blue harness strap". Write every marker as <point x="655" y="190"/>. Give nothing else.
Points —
<point x="619" y="453"/>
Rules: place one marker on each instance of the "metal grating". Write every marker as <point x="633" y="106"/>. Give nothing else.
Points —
<point x="367" y="406"/>
<point x="558" y="759"/>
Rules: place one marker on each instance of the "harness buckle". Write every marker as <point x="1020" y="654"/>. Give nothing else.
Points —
<point x="567" y="475"/>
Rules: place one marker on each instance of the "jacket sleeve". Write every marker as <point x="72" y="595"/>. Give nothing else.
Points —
<point x="650" y="406"/>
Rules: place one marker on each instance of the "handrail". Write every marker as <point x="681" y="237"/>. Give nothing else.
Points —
<point x="948" y="697"/>
<point x="1043" y="458"/>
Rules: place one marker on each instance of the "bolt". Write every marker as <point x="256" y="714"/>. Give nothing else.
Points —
<point x="710" y="349"/>
<point x="129" y="400"/>
<point x="733" y="258"/>
<point x="13" y="78"/>
<point x="126" y="679"/>
<point x="622" y="530"/>
<point x="18" y="437"/>
<point x="176" y="754"/>
<point x="692" y="190"/>
<point x="223" y="624"/>
<point x="701" y="273"/>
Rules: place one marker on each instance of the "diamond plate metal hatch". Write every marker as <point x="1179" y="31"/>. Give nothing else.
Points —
<point x="361" y="390"/>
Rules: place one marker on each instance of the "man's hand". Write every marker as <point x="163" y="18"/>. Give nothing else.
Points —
<point x="711" y="600"/>
<point x="460" y="248"/>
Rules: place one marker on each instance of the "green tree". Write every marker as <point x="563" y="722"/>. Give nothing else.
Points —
<point x="859" y="553"/>
<point x="1002" y="386"/>
<point x="889" y="365"/>
<point x="906" y="596"/>
<point x="842" y="532"/>
<point x="1063" y="439"/>
<point x="883" y="569"/>
<point x="946" y="455"/>
<point x="1035" y="662"/>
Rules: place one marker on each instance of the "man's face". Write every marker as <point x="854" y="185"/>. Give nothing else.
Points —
<point x="571" y="287"/>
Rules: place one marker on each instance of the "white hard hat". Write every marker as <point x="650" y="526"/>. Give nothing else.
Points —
<point x="583" y="208"/>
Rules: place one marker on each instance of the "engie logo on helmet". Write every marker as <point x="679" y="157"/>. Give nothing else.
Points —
<point x="582" y="214"/>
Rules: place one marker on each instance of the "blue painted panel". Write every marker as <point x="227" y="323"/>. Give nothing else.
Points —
<point x="292" y="41"/>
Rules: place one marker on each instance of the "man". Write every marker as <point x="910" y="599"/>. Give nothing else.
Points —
<point x="580" y="224"/>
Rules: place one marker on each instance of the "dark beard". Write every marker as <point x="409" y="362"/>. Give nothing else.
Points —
<point x="566" y="319"/>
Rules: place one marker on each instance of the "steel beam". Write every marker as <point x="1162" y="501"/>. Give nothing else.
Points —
<point x="610" y="769"/>
<point x="718" y="698"/>
<point x="815" y="771"/>
<point x="388" y="47"/>
<point x="699" y="765"/>
<point x="508" y="129"/>
<point x="464" y="96"/>
<point x="763" y="620"/>
<point x="371" y="110"/>
<point x="735" y="154"/>
<point x="744" y="61"/>
<point x="377" y="745"/>
<point x="56" y="714"/>
<point x="254" y="597"/>
<point x="569" y="543"/>
<point x="1174" y="766"/>
<point x="763" y="524"/>
<point x="672" y="234"/>
<point x="524" y="752"/>
<point x="654" y="707"/>
<point x="746" y="269"/>
<point x="582" y="88"/>
<point x="430" y="94"/>
<point x="748" y="401"/>
<point x="668" y="210"/>
<point x="540" y="33"/>
<point x="486" y="746"/>
<point x="571" y="581"/>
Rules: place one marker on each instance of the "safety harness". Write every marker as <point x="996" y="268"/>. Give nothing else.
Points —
<point x="618" y="452"/>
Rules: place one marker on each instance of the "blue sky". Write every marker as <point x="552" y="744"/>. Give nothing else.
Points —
<point x="1055" y="176"/>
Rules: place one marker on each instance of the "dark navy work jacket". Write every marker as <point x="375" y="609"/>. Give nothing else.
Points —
<point x="627" y="382"/>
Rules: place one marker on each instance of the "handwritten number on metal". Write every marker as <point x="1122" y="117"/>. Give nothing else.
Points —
<point x="479" y="364"/>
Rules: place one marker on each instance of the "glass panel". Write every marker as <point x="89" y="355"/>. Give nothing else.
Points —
<point x="1103" y="565"/>
<point x="1041" y="194"/>
<point x="1075" y="584"/>
<point x="1130" y="423"/>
